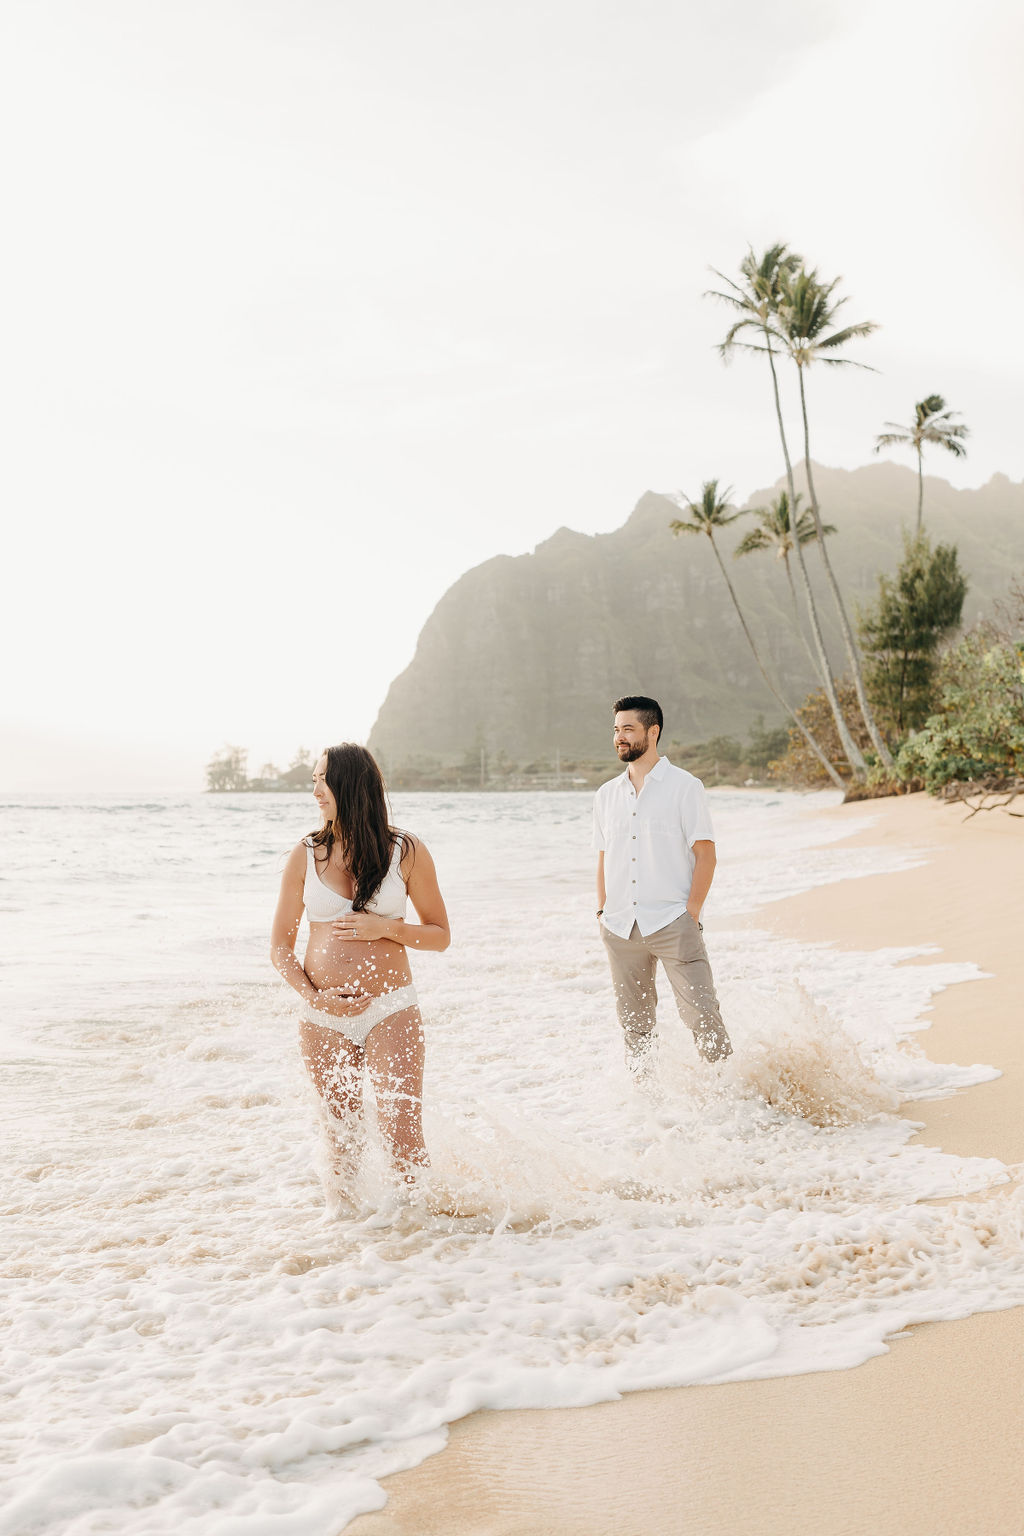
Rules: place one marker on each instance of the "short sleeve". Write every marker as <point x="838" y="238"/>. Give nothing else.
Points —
<point x="597" y="842"/>
<point x="696" y="815"/>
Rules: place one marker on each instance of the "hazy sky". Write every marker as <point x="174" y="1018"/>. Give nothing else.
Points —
<point x="312" y="306"/>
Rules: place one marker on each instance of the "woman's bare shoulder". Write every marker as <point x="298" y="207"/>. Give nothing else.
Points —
<point x="297" y="857"/>
<point x="412" y="846"/>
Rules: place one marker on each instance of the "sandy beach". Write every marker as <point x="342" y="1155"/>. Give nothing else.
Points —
<point x="921" y="1441"/>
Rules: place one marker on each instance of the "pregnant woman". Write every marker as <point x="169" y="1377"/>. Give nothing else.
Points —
<point x="359" y="1009"/>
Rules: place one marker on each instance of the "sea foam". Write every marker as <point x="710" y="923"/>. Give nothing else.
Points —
<point x="196" y="1345"/>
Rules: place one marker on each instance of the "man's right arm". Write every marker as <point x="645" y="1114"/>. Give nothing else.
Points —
<point x="597" y="843"/>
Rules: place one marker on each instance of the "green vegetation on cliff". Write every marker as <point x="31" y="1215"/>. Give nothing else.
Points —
<point x="524" y="655"/>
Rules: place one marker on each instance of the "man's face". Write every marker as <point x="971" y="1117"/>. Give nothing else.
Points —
<point x="630" y="738"/>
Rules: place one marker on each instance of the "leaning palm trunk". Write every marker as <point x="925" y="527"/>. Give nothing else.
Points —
<point x="805" y="733"/>
<point x="920" y="487"/>
<point x="815" y="664"/>
<point x="854" y="756"/>
<point x="884" y="755"/>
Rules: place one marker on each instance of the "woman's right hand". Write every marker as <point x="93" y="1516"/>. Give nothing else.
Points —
<point x="340" y="1002"/>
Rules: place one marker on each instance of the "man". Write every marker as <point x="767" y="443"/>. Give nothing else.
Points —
<point x="655" y="863"/>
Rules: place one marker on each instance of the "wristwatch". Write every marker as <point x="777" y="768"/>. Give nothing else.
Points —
<point x="600" y="911"/>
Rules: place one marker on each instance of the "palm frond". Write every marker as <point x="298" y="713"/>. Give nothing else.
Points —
<point x="951" y="444"/>
<point x="848" y="362"/>
<point x="931" y="405"/>
<point x="757" y="296"/>
<point x="935" y="423"/>
<point x="806" y="531"/>
<point x="748" y="322"/>
<point x="712" y="510"/>
<point x="745" y="346"/>
<point x="850" y="333"/>
<point x="807" y="313"/>
<point x="751" y="542"/>
<point x="893" y="440"/>
<point x="725" y="298"/>
<point x="739" y="294"/>
<point x="775" y="528"/>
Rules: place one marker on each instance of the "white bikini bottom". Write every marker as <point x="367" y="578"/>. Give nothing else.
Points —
<point x="358" y="1025"/>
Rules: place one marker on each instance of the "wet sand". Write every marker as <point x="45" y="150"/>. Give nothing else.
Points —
<point x="923" y="1441"/>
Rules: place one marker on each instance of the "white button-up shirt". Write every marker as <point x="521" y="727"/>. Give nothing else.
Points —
<point x="647" y="839"/>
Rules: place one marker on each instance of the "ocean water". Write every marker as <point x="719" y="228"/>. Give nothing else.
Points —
<point x="193" y="1344"/>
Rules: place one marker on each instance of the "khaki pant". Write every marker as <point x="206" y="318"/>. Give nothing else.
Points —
<point x="680" y="948"/>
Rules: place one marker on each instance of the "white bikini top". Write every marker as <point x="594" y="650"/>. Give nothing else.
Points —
<point x="324" y="905"/>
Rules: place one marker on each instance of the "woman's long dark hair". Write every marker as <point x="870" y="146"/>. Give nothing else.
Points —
<point x="361" y="825"/>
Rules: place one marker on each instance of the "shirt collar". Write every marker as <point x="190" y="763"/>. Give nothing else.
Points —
<point x="657" y="772"/>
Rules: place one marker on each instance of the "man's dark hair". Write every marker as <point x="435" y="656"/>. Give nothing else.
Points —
<point x="649" y="710"/>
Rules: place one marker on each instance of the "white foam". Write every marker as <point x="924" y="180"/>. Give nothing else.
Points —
<point x="198" y="1347"/>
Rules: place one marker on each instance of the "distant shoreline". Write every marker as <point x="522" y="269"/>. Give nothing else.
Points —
<point x="720" y="761"/>
<point x="576" y="787"/>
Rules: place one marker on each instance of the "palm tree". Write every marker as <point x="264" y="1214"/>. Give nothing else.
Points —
<point x="805" y="322"/>
<point x="756" y="300"/>
<point x="775" y="532"/>
<point x="708" y="515"/>
<point x="933" y="423"/>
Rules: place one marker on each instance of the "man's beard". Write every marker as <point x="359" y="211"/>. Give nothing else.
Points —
<point x="632" y="753"/>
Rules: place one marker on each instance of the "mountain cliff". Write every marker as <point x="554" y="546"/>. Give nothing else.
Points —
<point x="525" y="654"/>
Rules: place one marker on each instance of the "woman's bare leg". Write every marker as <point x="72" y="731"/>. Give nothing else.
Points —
<point x="394" y="1055"/>
<point x="334" y="1064"/>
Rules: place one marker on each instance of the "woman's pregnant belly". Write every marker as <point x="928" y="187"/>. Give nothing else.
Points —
<point x="373" y="965"/>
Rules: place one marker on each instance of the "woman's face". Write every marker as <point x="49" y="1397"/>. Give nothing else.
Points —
<point x="321" y="794"/>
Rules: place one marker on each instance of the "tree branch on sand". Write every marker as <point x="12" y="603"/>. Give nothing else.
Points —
<point x="993" y="794"/>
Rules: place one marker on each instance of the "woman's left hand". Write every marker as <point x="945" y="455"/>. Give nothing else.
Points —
<point x="361" y="925"/>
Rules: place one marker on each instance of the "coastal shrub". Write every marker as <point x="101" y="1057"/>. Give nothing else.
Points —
<point x="228" y="770"/>
<point x="977" y="730"/>
<point x="723" y="751"/>
<point x="798" y="764"/>
<point x="766" y="743"/>
<point x="901" y="632"/>
<point x="719" y="760"/>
